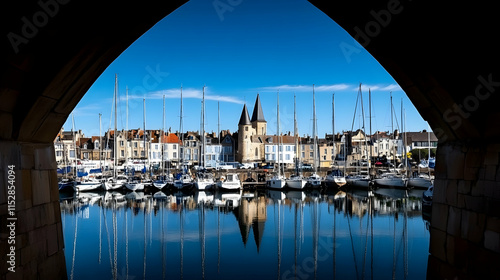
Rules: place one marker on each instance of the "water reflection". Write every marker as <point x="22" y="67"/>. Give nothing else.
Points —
<point x="223" y="235"/>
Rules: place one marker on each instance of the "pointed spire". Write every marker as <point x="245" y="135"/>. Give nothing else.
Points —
<point x="258" y="114"/>
<point x="244" y="119"/>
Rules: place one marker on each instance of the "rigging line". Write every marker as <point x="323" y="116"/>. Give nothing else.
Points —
<point x="352" y="246"/>
<point x="356" y="107"/>
<point x="109" y="243"/>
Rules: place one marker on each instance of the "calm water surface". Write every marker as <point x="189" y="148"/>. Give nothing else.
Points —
<point x="248" y="235"/>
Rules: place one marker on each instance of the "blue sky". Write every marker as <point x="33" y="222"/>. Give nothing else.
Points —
<point x="255" y="47"/>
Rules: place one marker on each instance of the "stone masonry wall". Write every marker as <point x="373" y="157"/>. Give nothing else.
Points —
<point x="465" y="225"/>
<point x="39" y="242"/>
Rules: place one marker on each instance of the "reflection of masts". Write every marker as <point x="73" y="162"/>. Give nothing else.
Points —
<point x="182" y="240"/>
<point x="109" y="244"/>
<point x="145" y="229"/>
<point x="352" y="245"/>
<point x="163" y="253"/>
<point x="279" y="238"/>
<point x="100" y="232"/>
<point x="334" y="240"/>
<point x="201" y="225"/>
<point x="126" y="242"/>
<point x="315" y="221"/>
<point x="218" y="240"/>
<point x="74" y="248"/>
<point x="115" y="241"/>
<point x="394" y="249"/>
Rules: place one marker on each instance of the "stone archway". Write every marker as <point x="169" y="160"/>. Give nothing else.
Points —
<point x="444" y="56"/>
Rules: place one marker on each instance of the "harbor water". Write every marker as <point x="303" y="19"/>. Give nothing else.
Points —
<point x="264" y="234"/>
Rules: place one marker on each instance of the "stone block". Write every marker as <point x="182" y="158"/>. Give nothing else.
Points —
<point x="464" y="187"/>
<point x="439" y="195"/>
<point x="472" y="226"/>
<point x="493" y="223"/>
<point x="54" y="189"/>
<point x="491" y="158"/>
<point x="471" y="173"/>
<point x="6" y="125"/>
<point x="475" y="203"/>
<point x="493" y="147"/>
<point x="52" y="240"/>
<point x="437" y="246"/>
<point x="439" y="219"/>
<point x="45" y="156"/>
<point x="490" y="172"/>
<point x="473" y="159"/>
<point x="454" y="220"/>
<point x="492" y="240"/>
<point x="451" y="192"/>
<point x="40" y="187"/>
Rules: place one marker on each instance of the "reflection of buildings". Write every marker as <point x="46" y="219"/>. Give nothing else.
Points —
<point x="252" y="214"/>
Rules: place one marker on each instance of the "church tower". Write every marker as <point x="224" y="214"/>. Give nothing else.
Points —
<point x="244" y="136"/>
<point x="258" y="121"/>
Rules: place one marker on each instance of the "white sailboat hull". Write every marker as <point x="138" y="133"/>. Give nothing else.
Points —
<point x="276" y="183"/>
<point x="204" y="184"/>
<point x="296" y="183"/>
<point x="391" y="182"/>
<point x="314" y="181"/>
<point x="88" y="186"/>
<point x="419" y="182"/>
<point x="134" y="186"/>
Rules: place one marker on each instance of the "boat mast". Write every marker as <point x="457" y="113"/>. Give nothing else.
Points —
<point x="370" y="112"/>
<point x="363" y="116"/>
<point x="218" y="130"/>
<point x="115" y="158"/>
<point x="392" y="131"/>
<point x="74" y="140"/>
<point x="161" y="139"/>
<point x="333" y="127"/>
<point x="296" y="134"/>
<point x="182" y="137"/>
<point x="100" y="142"/>
<point x="278" y="131"/>
<point x="203" y="129"/>
<point x="126" y="133"/>
<point x="315" y="152"/>
<point x="144" y="124"/>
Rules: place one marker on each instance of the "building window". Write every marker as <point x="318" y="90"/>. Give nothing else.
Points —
<point x="303" y="154"/>
<point x="122" y="152"/>
<point x="256" y="152"/>
<point x="135" y="153"/>
<point x="246" y="128"/>
<point x="135" y="144"/>
<point x="287" y="156"/>
<point x="175" y="154"/>
<point x="311" y="154"/>
<point x="142" y="153"/>
<point x="325" y="152"/>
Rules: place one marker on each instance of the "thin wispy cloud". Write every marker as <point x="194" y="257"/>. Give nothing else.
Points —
<point x="330" y="88"/>
<point x="187" y="93"/>
<point x="304" y="88"/>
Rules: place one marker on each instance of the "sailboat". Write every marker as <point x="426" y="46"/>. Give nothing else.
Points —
<point x="422" y="180"/>
<point x="314" y="180"/>
<point x="115" y="182"/>
<point x="136" y="184"/>
<point x="278" y="180"/>
<point x="391" y="179"/>
<point x="183" y="180"/>
<point x="335" y="177"/>
<point x="360" y="180"/>
<point x="203" y="180"/>
<point x="296" y="181"/>
<point x="163" y="181"/>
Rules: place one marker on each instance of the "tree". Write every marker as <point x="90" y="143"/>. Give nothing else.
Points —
<point x="418" y="154"/>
